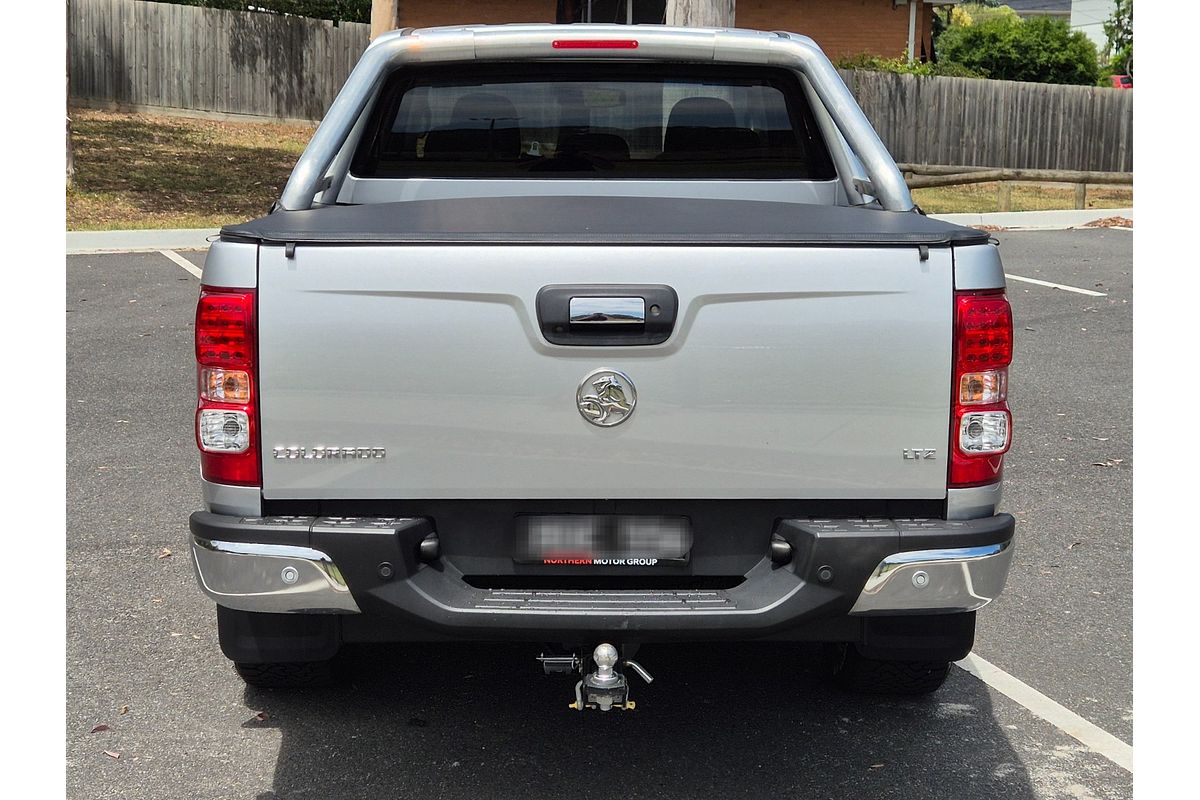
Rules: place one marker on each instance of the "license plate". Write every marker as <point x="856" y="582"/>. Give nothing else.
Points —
<point x="583" y="540"/>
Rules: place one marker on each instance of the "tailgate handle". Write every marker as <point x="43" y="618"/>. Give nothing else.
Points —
<point x="607" y="315"/>
<point x="607" y="311"/>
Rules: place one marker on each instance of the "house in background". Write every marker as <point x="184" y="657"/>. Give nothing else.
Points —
<point x="1059" y="9"/>
<point x="887" y="28"/>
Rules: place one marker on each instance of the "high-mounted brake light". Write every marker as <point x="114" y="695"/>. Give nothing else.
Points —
<point x="981" y="423"/>
<point x="595" y="44"/>
<point x="227" y="407"/>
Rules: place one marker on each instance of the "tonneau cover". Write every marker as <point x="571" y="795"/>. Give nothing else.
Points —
<point x="602" y="220"/>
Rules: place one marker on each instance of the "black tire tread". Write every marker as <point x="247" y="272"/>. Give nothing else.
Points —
<point x="294" y="675"/>
<point x="874" y="676"/>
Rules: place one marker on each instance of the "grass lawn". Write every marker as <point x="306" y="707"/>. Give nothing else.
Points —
<point x="148" y="171"/>
<point x="980" y="198"/>
<point x="144" y="171"/>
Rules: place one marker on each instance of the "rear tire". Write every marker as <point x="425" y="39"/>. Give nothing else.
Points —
<point x="287" y="675"/>
<point x="857" y="673"/>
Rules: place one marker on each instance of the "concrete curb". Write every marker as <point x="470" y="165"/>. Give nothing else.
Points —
<point x="85" y="242"/>
<point x="1037" y="220"/>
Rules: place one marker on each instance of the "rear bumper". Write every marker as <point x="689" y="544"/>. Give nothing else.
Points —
<point x="270" y="578"/>
<point x="949" y="580"/>
<point x="839" y="569"/>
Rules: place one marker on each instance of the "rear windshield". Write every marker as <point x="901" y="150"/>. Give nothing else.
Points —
<point x="593" y="120"/>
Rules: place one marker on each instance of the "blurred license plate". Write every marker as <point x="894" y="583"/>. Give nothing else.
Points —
<point x="603" y="541"/>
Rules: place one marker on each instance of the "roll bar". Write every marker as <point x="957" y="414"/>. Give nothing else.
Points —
<point x="537" y="42"/>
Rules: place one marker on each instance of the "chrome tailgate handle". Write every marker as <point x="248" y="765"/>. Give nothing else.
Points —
<point x="608" y="311"/>
<point x="607" y="315"/>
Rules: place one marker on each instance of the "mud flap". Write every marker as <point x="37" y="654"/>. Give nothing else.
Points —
<point x="254" y="638"/>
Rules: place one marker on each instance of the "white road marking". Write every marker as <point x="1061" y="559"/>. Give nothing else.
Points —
<point x="1075" y="289"/>
<point x="181" y="261"/>
<point x="1063" y="718"/>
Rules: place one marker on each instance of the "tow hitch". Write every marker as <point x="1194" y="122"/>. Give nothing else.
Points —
<point x="604" y="688"/>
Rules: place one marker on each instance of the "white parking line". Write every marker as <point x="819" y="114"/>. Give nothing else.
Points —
<point x="181" y="261"/>
<point x="1063" y="718"/>
<point x="1075" y="289"/>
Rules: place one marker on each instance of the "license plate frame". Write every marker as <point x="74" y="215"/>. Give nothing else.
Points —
<point x="602" y="540"/>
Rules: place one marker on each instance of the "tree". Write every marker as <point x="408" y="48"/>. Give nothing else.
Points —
<point x="700" y="13"/>
<point x="70" y="147"/>
<point x="979" y="12"/>
<point x="973" y="13"/>
<point x="1040" y="50"/>
<point x="873" y="63"/>
<point x="385" y="16"/>
<point x="1119" y="30"/>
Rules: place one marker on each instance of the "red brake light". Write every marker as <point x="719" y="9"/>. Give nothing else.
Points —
<point x="980" y="421"/>
<point x="983" y="332"/>
<point x="227" y="407"/>
<point x="224" y="337"/>
<point x="595" y="44"/>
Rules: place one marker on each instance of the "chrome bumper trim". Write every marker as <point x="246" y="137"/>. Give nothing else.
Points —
<point x="936" y="581"/>
<point x="270" y="578"/>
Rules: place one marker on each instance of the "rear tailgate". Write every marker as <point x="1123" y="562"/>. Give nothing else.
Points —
<point x="802" y="364"/>
<point x="793" y="371"/>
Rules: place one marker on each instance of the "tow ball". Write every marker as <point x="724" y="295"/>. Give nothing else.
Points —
<point x="605" y="688"/>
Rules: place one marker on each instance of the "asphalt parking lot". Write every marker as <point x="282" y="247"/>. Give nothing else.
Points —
<point x="481" y="721"/>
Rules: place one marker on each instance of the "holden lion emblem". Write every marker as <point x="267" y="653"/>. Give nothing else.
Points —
<point x="606" y="397"/>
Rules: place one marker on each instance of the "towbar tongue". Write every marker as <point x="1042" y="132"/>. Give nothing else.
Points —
<point x="604" y="688"/>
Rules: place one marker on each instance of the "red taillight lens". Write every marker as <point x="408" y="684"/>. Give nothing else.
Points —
<point x="983" y="332"/>
<point x="980" y="424"/>
<point x="224" y="329"/>
<point x="227" y="408"/>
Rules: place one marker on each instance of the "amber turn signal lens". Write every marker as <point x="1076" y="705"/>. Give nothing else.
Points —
<point x="225" y="385"/>
<point x="982" y="388"/>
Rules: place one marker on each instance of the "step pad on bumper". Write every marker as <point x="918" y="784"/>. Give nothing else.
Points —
<point x="610" y="602"/>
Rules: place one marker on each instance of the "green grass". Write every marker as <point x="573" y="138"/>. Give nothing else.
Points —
<point x="143" y="171"/>
<point x="148" y="171"/>
<point x="980" y="198"/>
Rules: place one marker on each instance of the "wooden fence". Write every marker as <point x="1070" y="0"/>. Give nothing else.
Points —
<point x="1005" y="124"/>
<point x="133" y="53"/>
<point x="923" y="176"/>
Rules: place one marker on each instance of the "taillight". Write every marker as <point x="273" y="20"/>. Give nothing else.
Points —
<point x="227" y="407"/>
<point x="981" y="424"/>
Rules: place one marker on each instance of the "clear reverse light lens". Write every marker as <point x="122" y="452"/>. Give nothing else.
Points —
<point x="983" y="432"/>
<point x="224" y="431"/>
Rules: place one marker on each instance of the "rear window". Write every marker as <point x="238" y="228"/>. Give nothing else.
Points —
<point x="593" y="120"/>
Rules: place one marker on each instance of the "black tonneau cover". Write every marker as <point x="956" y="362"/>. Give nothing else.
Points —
<point x="602" y="220"/>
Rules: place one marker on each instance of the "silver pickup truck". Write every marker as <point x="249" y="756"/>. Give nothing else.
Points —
<point x="594" y="336"/>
